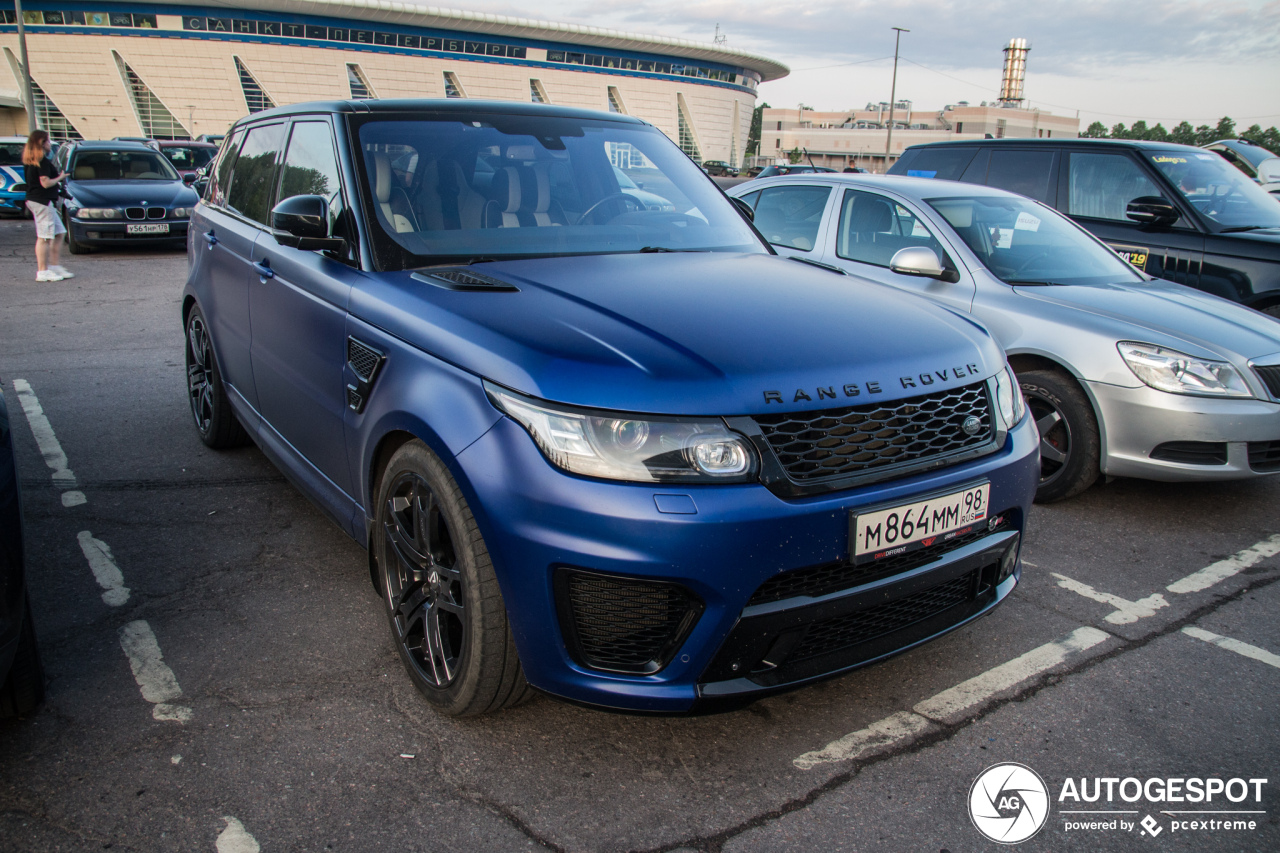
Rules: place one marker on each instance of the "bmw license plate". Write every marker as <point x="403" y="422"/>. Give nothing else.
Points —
<point x="149" y="228"/>
<point x="899" y="529"/>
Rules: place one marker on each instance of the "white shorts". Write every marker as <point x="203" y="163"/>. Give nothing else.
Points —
<point x="48" y="225"/>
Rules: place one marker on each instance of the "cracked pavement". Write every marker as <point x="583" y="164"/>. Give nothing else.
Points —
<point x="305" y="728"/>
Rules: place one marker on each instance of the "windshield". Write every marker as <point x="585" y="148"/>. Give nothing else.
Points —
<point x="122" y="166"/>
<point x="188" y="158"/>
<point x="11" y="153"/>
<point x="1218" y="190"/>
<point x="1023" y="242"/>
<point x="459" y="187"/>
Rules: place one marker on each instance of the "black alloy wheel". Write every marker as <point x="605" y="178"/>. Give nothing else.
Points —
<point x="216" y="422"/>
<point x="1069" y="441"/>
<point x="443" y="602"/>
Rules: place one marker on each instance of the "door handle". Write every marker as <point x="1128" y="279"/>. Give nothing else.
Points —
<point x="264" y="270"/>
<point x="211" y="238"/>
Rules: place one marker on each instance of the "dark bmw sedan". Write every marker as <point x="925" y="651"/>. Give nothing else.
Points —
<point x="122" y="193"/>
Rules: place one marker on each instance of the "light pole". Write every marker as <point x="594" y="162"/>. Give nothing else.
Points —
<point x="26" y="68"/>
<point x="893" y="93"/>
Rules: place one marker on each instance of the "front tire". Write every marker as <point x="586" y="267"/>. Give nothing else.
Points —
<point x="74" y="246"/>
<point x="446" y="612"/>
<point x="1070" y="448"/>
<point x="215" y="421"/>
<point x="23" y="689"/>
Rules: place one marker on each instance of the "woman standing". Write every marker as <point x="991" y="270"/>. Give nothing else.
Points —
<point x="43" y="187"/>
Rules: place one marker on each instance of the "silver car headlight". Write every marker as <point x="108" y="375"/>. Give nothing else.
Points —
<point x="99" y="213"/>
<point x="1009" y="397"/>
<point x="1179" y="373"/>
<point x="636" y="448"/>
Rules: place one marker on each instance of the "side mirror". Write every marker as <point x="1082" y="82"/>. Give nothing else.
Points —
<point x="744" y="208"/>
<point x="189" y="178"/>
<point x="921" y="261"/>
<point x="1152" y="210"/>
<point x="303" y="223"/>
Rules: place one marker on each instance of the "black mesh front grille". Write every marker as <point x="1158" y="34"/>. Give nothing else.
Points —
<point x="845" y="631"/>
<point x="1192" y="452"/>
<point x="155" y="213"/>
<point x="1270" y="377"/>
<point x="1264" y="455"/>
<point x="135" y="212"/>
<point x="364" y="360"/>
<point x="625" y="625"/>
<point x="833" y="577"/>
<point x="815" y="446"/>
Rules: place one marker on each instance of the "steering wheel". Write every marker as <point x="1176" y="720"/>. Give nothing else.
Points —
<point x="1028" y="262"/>
<point x="609" y="199"/>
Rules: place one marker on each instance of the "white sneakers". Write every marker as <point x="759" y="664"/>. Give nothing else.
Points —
<point x="57" y="273"/>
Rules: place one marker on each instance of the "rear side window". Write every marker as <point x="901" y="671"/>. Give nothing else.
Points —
<point x="252" y="182"/>
<point x="944" y="162"/>
<point x="1102" y="185"/>
<point x="790" y="216"/>
<point x="216" y="192"/>
<point x="1027" y="173"/>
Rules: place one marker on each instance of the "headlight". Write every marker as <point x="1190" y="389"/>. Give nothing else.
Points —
<point x="1179" y="373"/>
<point x="1009" y="397"/>
<point x="642" y="448"/>
<point x="99" y="213"/>
<point x="181" y="212"/>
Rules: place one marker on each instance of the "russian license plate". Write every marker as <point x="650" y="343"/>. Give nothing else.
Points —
<point x="900" y="529"/>
<point x="149" y="228"/>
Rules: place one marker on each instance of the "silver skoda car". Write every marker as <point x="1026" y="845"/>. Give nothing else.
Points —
<point x="1126" y="375"/>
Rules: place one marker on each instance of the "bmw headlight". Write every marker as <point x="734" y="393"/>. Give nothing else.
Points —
<point x="1009" y="397"/>
<point x="99" y="213"/>
<point x="637" y="448"/>
<point x="181" y="212"/>
<point x="1179" y="373"/>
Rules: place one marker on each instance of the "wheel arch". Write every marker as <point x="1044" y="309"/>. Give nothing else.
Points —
<point x="1038" y="361"/>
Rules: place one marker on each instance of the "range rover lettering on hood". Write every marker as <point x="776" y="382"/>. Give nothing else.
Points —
<point x="855" y="389"/>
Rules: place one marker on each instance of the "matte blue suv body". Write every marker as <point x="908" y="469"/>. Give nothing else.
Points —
<point x="623" y="455"/>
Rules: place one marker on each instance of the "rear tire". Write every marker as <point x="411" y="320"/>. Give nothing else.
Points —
<point x="446" y="612"/>
<point x="215" y="421"/>
<point x="1070" y="448"/>
<point x="23" y="689"/>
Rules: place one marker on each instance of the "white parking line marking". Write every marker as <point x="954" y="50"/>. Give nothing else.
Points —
<point x="1233" y="645"/>
<point x="236" y="839"/>
<point x="47" y="441"/>
<point x="104" y="568"/>
<point x="1126" y="612"/>
<point x="1223" y="569"/>
<point x="949" y="703"/>
<point x="890" y="730"/>
<point x="967" y="694"/>
<point x="158" y="684"/>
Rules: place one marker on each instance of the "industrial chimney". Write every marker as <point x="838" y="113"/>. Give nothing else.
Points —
<point x="1015" y="73"/>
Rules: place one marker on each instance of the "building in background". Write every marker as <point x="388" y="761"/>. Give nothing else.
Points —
<point x="176" y="70"/>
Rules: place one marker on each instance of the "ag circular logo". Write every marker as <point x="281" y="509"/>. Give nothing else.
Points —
<point x="1008" y="803"/>
<point x="971" y="425"/>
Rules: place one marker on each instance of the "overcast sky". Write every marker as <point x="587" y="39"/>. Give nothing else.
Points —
<point x="1115" y="61"/>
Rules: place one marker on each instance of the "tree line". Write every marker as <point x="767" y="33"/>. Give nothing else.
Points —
<point x="1185" y="134"/>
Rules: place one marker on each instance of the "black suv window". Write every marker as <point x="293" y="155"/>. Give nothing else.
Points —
<point x="1027" y="173"/>
<point x="943" y="162"/>
<point x="216" y="192"/>
<point x="1102" y="185"/>
<point x="251" y="185"/>
<point x="311" y="168"/>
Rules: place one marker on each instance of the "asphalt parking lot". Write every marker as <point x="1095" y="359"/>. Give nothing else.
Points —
<point x="221" y="676"/>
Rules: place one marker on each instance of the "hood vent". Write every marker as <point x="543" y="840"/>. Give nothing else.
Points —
<point x="463" y="279"/>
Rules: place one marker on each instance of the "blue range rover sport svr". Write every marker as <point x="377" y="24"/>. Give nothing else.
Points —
<point x="618" y="452"/>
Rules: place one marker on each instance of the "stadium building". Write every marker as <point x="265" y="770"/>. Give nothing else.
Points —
<point x="177" y="70"/>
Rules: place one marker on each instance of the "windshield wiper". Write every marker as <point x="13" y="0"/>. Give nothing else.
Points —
<point x="1033" y="283"/>
<point x="1238" y="228"/>
<point x="651" y="249"/>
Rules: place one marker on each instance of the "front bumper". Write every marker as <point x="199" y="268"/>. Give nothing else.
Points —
<point x="1139" y="421"/>
<point x="719" y="547"/>
<point x="114" y="232"/>
<point x="13" y="204"/>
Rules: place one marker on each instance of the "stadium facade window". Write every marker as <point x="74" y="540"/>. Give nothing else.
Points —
<point x="615" y="101"/>
<point x="255" y="98"/>
<point x="452" y="88"/>
<point x="360" y="88"/>
<point x="48" y="116"/>
<point x="688" y="140"/>
<point x="155" y="119"/>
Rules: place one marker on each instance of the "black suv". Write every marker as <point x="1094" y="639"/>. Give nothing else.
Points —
<point x="1174" y="211"/>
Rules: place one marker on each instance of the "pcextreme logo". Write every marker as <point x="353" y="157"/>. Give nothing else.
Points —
<point x="1009" y="803"/>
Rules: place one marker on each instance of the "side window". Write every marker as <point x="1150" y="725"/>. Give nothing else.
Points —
<point x="752" y="199"/>
<point x="1102" y="185"/>
<point x="220" y="179"/>
<point x="790" y="215"/>
<point x="311" y="167"/>
<point x="874" y="228"/>
<point x="944" y="162"/>
<point x="251" y="183"/>
<point x="1028" y="173"/>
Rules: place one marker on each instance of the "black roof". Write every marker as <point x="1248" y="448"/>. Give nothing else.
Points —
<point x="453" y="106"/>
<point x="1059" y="142"/>
<point x="109" y="145"/>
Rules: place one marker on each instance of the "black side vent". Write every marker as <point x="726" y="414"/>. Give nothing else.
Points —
<point x="1270" y="376"/>
<point x="1192" y="452"/>
<point x="463" y="279"/>
<point x="1264" y="456"/>
<point x="365" y="362"/>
